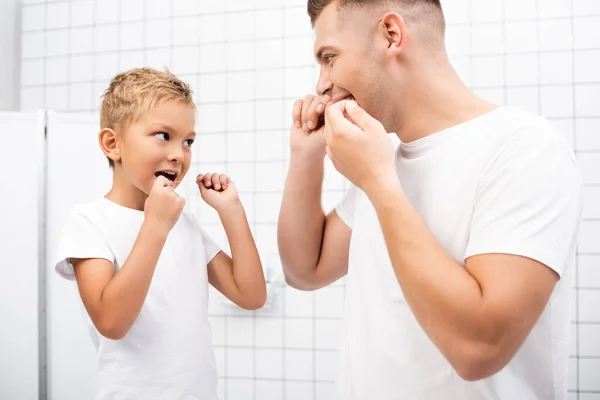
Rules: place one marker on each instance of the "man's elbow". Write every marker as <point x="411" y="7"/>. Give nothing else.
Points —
<point x="481" y="361"/>
<point x="112" y="330"/>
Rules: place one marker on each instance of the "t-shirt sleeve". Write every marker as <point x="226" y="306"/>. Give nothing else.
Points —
<point x="346" y="207"/>
<point x="210" y="247"/>
<point x="529" y="201"/>
<point x="80" y="239"/>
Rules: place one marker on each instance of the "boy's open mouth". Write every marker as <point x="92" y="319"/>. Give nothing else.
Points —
<point x="170" y="175"/>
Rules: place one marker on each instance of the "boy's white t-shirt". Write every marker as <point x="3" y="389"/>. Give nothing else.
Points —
<point x="505" y="182"/>
<point x="167" y="353"/>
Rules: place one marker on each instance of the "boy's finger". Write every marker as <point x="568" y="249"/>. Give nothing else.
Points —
<point x="215" y="181"/>
<point x="207" y="181"/>
<point x="223" y="180"/>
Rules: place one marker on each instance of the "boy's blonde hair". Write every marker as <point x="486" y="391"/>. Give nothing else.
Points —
<point x="133" y="93"/>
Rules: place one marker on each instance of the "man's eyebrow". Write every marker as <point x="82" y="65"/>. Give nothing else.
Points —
<point x="322" y="49"/>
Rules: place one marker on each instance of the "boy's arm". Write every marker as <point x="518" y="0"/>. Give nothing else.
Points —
<point x="113" y="301"/>
<point x="240" y="278"/>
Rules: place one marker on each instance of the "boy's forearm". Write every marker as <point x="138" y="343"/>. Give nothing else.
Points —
<point x="301" y="218"/>
<point x="124" y="296"/>
<point x="247" y="268"/>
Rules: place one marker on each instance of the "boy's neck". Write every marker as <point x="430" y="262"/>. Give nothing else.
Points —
<point x="125" y="194"/>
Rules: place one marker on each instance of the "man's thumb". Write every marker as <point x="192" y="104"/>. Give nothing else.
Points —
<point x="358" y="116"/>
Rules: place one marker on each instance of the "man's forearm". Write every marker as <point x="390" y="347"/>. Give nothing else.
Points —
<point x="301" y="218"/>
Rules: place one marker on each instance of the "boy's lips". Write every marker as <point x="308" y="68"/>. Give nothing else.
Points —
<point x="170" y="174"/>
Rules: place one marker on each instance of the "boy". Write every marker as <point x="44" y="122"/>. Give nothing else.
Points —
<point x="141" y="263"/>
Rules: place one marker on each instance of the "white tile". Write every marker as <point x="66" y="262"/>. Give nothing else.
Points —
<point x="243" y="176"/>
<point x="242" y="26"/>
<point x="106" y="66"/>
<point x="269" y="53"/>
<point x="217" y="326"/>
<point x="132" y="10"/>
<point x="556" y="68"/>
<point x="268" y="205"/>
<point x="212" y="28"/>
<point x="328" y="333"/>
<point x="212" y="88"/>
<point x="270" y="176"/>
<point x="238" y="5"/>
<point x="521" y="36"/>
<point x="586" y="33"/>
<point x="522" y="69"/>
<point x="589" y="340"/>
<point x="221" y="383"/>
<point x="494" y="95"/>
<point x="565" y="126"/>
<point x="186" y="7"/>
<point x="80" y="96"/>
<point x="241" y="86"/>
<point x="462" y="66"/>
<point x="57" y="15"/>
<point x="298" y="364"/>
<point x="266" y="239"/>
<point x="527" y="98"/>
<point x="299" y="334"/>
<point x="269" y="146"/>
<point x="269" y="364"/>
<point x="572" y="383"/>
<point x="275" y="26"/>
<point x="329" y="302"/>
<point x="269" y="84"/>
<point x="34" y="17"/>
<point x="298" y="303"/>
<point x="185" y="60"/>
<point x="325" y="390"/>
<point x="212" y="118"/>
<point x="240" y="388"/>
<point x="240" y="146"/>
<point x="240" y="116"/>
<point x="33" y="44"/>
<point x="81" y="68"/>
<point x="132" y="36"/>
<point x="107" y="11"/>
<point x="210" y="6"/>
<point x="156" y="9"/>
<point x="587" y="99"/>
<point x="587" y="396"/>
<point x="32" y="99"/>
<point x="574" y="339"/>
<point x="326" y="364"/>
<point x="588" y="138"/>
<point x="80" y="40"/>
<point x="520" y="9"/>
<point x="555" y="8"/>
<point x="240" y="362"/>
<point x="556" y="34"/>
<point x="57" y="70"/>
<point x="458" y="40"/>
<point x="557" y="101"/>
<point x="269" y="390"/>
<point x="131" y="59"/>
<point x="588" y="236"/>
<point x="211" y="148"/>
<point x="99" y="88"/>
<point x="158" y="58"/>
<point x="57" y="98"/>
<point x="299" y="390"/>
<point x="486" y="11"/>
<point x="186" y="31"/>
<point x="457" y="12"/>
<point x="240" y="331"/>
<point x="269" y="332"/>
<point x="106" y="38"/>
<point x="57" y="43"/>
<point x="297" y="21"/>
<point x="588" y="163"/>
<point x="213" y="58"/>
<point x="585" y="7"/>
<point x="299" y="82"/>
<point x="588" y="305"/>
<point x="240" y="56"/>
<point x="299" y="52"/>
<point x="487" y="39"/>
<point x="82" y="13"/>
<point x="589" y="271"/>
<point x="158" y="34"/>
<point x="488" y="71"/>
<point x="586" y="66"/>
<point x="220" y="360"/>
<point x="271" y="115"/>
<point x="589" y="375"/>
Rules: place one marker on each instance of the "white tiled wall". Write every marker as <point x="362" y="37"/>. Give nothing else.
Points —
<point x="247" y="61"/>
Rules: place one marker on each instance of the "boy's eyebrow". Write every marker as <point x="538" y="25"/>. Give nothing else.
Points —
<point x="168" y="128"/>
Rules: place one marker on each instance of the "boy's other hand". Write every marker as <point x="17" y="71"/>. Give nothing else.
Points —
<point x="306" y="136"/>
<point x="163" y="206"/>
<point x="217" y="190"/>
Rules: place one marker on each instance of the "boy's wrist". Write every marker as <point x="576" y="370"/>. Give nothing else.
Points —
<point x="230" y="206"/>
<point x="154" y="228"/>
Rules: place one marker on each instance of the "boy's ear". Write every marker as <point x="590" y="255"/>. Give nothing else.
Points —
<point x="109" y="143"/>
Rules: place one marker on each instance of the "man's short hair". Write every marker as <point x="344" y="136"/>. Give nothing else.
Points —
<point x="315" y="7"/>
<point x="133" y="93"/>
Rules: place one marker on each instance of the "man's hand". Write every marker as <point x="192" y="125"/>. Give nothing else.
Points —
<point x="306" y="136"/>
<point x="359" y="146"/>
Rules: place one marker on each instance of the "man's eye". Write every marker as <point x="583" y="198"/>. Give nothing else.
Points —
<point x="328" y="58"/>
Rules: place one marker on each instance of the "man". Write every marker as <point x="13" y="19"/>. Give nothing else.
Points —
<point x="457" y="239"/>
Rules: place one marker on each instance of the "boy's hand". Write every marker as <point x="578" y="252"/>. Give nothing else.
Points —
<point x="306" y="136"/>
<point x="163" y="206"/>
<point x="217" y="190"/>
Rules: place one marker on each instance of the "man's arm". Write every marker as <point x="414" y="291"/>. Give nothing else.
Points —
<point x="240" y="278"/>
<point x="313" y="247"/>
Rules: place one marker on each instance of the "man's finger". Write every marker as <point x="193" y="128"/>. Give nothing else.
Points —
<point x="360" y="117"/>
<point x="334" y="116"/>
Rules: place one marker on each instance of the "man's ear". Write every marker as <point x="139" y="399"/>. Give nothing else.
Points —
<point x="393" y="28"/>
<point x="109" y="143"/>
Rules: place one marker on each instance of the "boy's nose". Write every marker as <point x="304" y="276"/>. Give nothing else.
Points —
<point x="175" y="153"/>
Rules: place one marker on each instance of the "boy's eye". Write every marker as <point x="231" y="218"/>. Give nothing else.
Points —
<point x="162" y="135"/>
<point x="189" y="142"/>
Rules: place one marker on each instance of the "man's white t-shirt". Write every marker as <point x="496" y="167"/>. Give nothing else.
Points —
<point x="167" y="353"/>
<point x="505" y="182"/>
